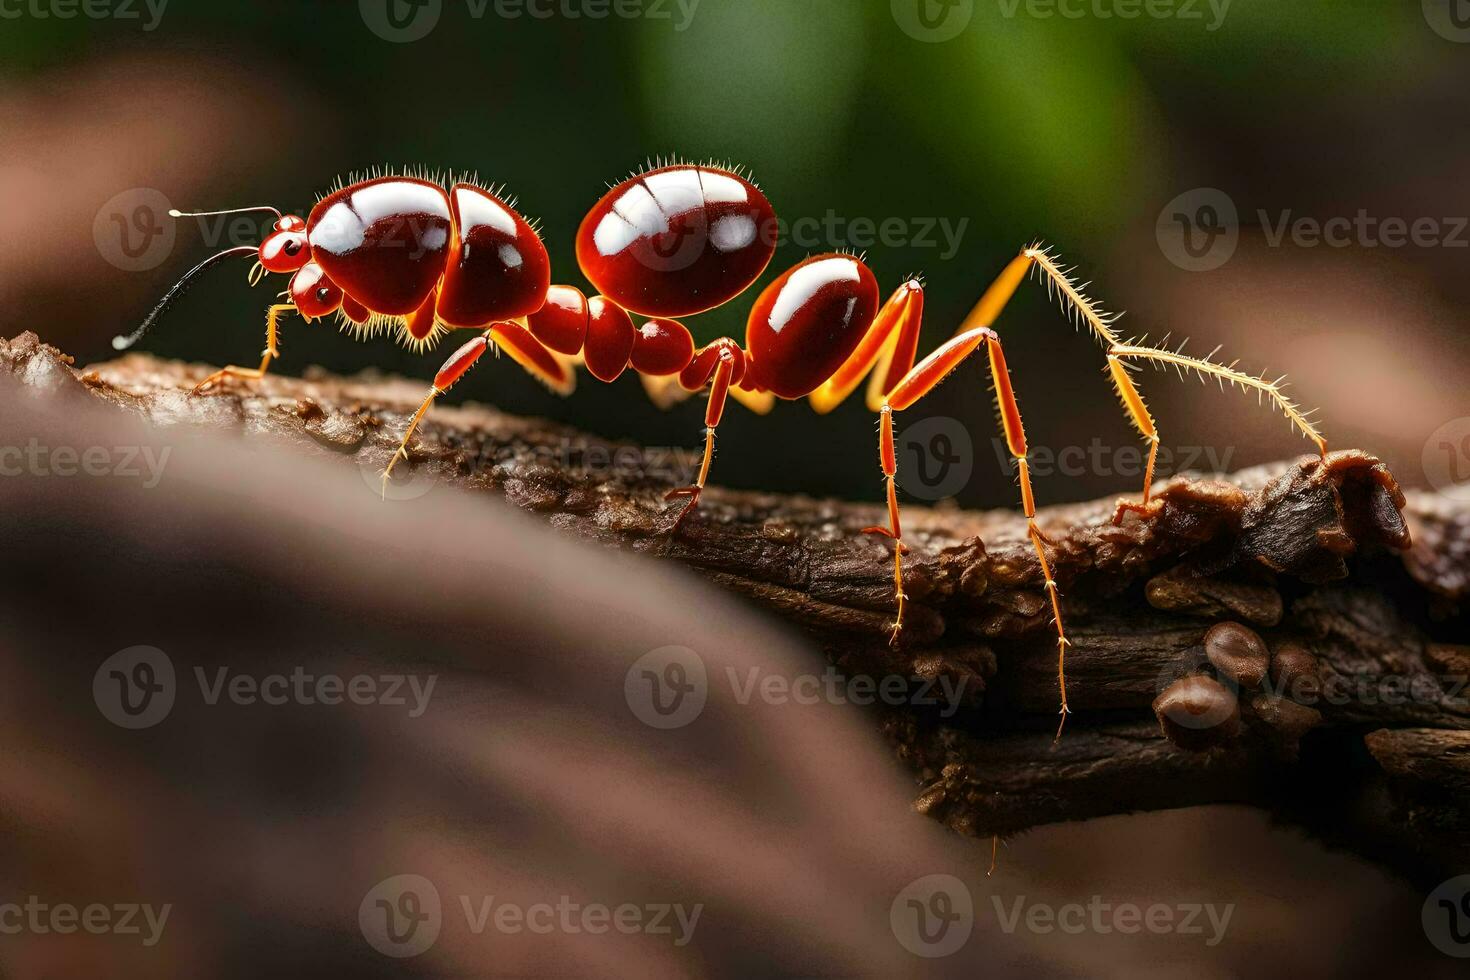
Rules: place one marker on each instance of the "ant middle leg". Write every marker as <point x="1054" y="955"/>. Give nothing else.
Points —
<point x="515" y="340"/>
<point x="924" y="378"/>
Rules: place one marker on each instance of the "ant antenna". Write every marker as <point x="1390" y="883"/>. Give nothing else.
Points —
<point x="123" y="343"/>
<point x="176" y="213"/>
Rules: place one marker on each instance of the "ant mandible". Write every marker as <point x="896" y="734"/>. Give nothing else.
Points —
<point x="402" y="253"/>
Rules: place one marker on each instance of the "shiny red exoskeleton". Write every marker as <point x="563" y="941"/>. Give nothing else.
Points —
<point x="678" y="240"/>
<point x="406" y="253"/>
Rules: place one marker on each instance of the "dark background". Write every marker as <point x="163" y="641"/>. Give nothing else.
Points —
<point x="1078" y="131"/>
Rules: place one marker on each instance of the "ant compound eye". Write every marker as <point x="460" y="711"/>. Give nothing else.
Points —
<point x="313" y="293"/>
<point x="284" y="251"/>
<point x="291" y="222"/>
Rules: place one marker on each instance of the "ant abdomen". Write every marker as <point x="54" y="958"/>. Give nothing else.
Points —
<point x="677" y="240"/>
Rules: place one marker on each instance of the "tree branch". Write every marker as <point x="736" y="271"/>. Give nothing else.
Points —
<point x="1314" y="555"/>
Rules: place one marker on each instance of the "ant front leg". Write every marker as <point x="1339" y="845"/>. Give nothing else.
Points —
<point x="270" y="353"/>
<point x="517" y="341"/>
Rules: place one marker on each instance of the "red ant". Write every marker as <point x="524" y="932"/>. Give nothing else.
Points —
<point x="400" y="252"/>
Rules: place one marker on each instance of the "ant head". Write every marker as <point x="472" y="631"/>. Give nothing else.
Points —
<point x="286" y="249"/>
<point x="313" y="293"/>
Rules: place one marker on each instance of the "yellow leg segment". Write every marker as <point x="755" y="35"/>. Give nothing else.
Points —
<point x="271" y="352"/>
<point x="1144" y="422"/>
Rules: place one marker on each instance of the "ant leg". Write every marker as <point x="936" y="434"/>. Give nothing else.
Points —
<point x="890" y="346"/>
<point x="516" y="341"/>
<point x="1083" y="309"/>
<point x="665" y="391"/>
<point x="1206" y="368"/>
<point x="454" y="368"/>
<point x="712" y="413"/>
<point x="1144" y="422"/>
<point x="271" y="352"/>
<point x="888" y="459"/>
<point x="923" y="379"/>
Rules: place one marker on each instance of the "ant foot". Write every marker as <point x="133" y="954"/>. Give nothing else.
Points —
<point x="903" y="549"/>
<point x="1042" y="536"/>
<point x="693" y="494"/>
<point x="226" y="372"/>
<point x="1147" y="509"/>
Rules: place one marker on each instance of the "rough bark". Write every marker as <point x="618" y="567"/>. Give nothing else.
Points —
<point x="1315" y="555"/>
